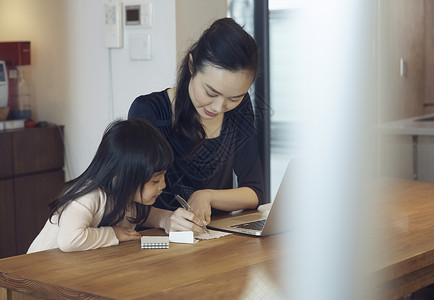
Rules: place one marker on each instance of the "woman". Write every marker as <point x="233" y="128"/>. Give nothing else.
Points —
<point x="209" y="122"/>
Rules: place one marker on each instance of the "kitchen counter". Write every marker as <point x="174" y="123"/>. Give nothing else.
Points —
<point x="421" y="125"/>
<point x="415" y="135"/>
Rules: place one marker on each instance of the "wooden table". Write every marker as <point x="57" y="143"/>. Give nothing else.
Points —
<point x="406" y="263"/>
<point x="232" y="267"/>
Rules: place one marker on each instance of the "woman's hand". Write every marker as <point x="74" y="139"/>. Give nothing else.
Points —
<point x="126" y="234"/>
<point x="200" y="203"/>
<point x="182" y="220"/>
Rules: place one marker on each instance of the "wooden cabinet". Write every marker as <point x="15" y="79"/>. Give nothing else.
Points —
<point x="7" y="218"/>
<point x="31" y="174"/>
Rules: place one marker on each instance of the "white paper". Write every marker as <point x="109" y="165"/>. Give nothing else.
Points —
<point x="214" y="235"/>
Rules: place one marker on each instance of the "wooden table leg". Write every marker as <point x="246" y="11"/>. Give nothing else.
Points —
<point x="414" y="154"/>
<point x="4" y="294"/>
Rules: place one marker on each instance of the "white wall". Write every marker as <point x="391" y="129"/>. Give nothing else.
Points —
<point x="88" y="105"/>
<point x="70" y="70"/>
<point x="43" y="23"/>
<point x="191" y="21"/>
<point x="132" y="78"/>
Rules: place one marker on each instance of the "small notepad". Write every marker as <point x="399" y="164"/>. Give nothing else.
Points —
<point x="155" y="242"/>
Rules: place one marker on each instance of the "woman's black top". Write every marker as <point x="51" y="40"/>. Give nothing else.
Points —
<point x="211" y="165"/>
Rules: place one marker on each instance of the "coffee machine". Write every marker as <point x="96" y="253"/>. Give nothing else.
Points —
<point x="16" y="56"/>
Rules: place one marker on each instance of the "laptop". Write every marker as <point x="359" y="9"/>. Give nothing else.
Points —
<point x="261" y="223"/>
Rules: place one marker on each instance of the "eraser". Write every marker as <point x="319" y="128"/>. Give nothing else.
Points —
<point x="186" y="237"/>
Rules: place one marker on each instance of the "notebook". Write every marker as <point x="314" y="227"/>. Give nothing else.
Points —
<point x="261" y="223"/>
<point x="154" y="242"/>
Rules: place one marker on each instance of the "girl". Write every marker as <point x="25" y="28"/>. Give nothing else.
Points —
<point x="209" y="122"/>
<point x="103" y="205"/>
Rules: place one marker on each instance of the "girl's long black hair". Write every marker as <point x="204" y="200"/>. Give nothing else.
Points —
<point x="129" y="154"/>
<point x="225" y="44"/>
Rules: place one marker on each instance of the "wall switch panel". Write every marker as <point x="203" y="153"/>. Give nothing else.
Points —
<point x="147" y="13"/>
<point x="140" y="47"/>
<point x="113" y="25"/>
<point x="138" y="14"/>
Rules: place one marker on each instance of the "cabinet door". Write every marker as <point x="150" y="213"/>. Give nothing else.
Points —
<point x="402" y="35"/>
<point x="5" y="154"/>
<point x="7" y="219"/>
<point x="33" y="193"/>
<point x="37" y="149"/>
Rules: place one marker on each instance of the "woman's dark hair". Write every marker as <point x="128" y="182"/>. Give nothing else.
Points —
<point x="129" y="154"/>
<point x="226" y="45"/>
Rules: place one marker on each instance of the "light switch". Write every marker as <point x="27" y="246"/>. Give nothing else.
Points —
<point x="140" y="47"/>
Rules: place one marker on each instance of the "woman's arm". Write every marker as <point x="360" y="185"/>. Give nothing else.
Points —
<point x="201" y="201"/>
<point x="178" y="220"/>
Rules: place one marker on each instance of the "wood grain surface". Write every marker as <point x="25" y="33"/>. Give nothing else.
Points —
<point x="406" y="263"/>
<point x="214" y="269"/>
<point x="232" y="267"/>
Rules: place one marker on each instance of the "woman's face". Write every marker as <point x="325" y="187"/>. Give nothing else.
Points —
<point x="216" y="91"/>
<point x="152" y="189"/>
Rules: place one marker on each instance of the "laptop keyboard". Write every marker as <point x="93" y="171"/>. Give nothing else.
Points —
<point x="255" y="225"/>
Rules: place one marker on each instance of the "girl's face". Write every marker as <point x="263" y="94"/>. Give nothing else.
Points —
<point x="216" y="91"/>
<point x="151" y="190"/>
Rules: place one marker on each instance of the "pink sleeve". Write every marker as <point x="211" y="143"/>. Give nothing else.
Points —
<point x="78" y="225"/>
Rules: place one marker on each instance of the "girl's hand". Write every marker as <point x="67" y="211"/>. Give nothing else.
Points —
<point x="200" y="203"/>
<point x="126" y="234"/>
<point x="182" y="220"/>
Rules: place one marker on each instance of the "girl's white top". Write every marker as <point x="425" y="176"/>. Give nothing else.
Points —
<point x="78" y="229"/>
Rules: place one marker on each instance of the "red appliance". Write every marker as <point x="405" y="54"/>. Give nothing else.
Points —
<point x="14" y="54"/>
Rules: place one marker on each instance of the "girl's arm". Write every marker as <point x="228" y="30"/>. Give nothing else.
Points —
<point x="78" y="231"/>
<point x="78" y="226"/>
<point x="201" y="201"/>
<point x="124" y="234"/>
<point x="178" y="220"/>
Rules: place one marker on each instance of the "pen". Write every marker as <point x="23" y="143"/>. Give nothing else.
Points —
<point x="186" y="206"/>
